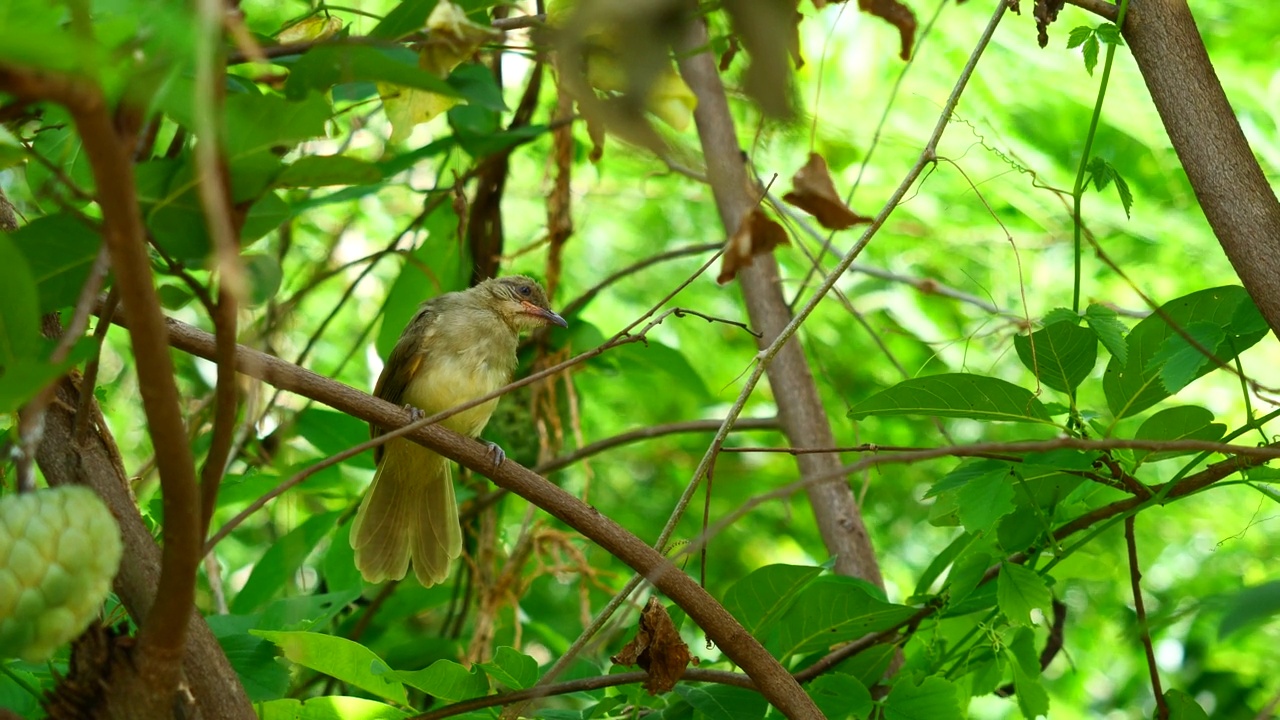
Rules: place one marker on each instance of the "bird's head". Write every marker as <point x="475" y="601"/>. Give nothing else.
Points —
<point x="520" y="301"/>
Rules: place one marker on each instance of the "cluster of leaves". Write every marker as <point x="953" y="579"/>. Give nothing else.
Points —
<point x="973" y="571"/>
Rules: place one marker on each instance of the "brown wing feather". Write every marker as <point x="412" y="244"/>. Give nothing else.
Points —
<point x="403" y="363"/>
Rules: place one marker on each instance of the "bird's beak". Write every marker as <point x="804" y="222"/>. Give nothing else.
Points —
<point x="544" y="313"/>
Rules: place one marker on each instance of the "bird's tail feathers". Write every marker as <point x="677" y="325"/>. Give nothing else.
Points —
<point x="408" y="512"/>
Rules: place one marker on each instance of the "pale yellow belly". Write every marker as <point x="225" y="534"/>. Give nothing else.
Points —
<point x="452" y="380"/>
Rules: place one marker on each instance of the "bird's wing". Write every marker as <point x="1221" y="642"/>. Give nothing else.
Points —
<point x="404" y="362"/>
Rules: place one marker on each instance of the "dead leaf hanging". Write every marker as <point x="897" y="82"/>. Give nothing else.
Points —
<point x="757" y="233"/>
<point x="813" y="191"/>
<point x="657" y="649"/>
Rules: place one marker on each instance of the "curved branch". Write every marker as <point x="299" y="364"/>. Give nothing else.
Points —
<point x="774" y="682"/>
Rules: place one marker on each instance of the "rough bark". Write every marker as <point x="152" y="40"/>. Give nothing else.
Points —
<point x="800" y="411"/>
<point x="95" y="462"/>
<point x="1238" y="202"/>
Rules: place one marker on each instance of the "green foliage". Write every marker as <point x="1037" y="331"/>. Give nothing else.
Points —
<point x="965" y="289"/>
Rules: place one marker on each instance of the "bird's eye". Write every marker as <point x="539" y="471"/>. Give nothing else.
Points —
<point x="525" y="290"/>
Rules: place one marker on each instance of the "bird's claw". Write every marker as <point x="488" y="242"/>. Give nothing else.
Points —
<point x="415" y="413"/>
<point x="496" y="454"/>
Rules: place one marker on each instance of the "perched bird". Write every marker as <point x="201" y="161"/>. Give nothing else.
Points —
<point x="458" y="347"/>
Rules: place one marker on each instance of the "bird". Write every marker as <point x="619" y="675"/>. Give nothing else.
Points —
<point x="458" y="347"/>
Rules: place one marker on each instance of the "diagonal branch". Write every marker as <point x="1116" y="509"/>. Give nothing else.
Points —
<point x="774" y="682"/>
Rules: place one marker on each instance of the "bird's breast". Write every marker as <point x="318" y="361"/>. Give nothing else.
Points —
<point x="449" y="379"/>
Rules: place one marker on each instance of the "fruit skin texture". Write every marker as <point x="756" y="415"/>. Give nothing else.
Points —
<point x="59" y="550"/>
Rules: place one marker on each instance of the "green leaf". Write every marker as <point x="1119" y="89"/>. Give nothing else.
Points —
<point x="447" y="680"/>
<point x="765" y="595"/>
<point x="332" y="432"/>
<point x="833" y="609"/>
<point x="1101" y="172"/>
<point x="325" y="170"/>
<point x="1126" y="195"/>
<point x="1090" y="50"/>
<point x="341" y="659"/>
<point x="958" y="395"/>
<point x="1185" y="422"/>
<point x="254" y="661"/>
<point x="965" y="575"/>
<point x="1109" y="34"/>
<point x="281" y="561"/>
<point x="406" y="17"/>
<point x="1064" y="354"/>
<point x="1060" y="315"/>
<point x="661" y="363"/>
<point x="984" y="500"/>
<point x="1033" y="700"/>
<point x="840" y="696"/>
<point x="20" y="338"/>
<point x="1019" y="590"/>
<point x="941" y="561"/>
<point x="1106" y="324"/>
<point x="1134" y="385"/>
<point x="332" y="707"/>
<point x="966" y="472"/>
<point x="933" y="699"/>
<point x="60" y="251"/>
<point x="512" y="668"/>
<point x="307" y="612"/>
<point x="264" y="275"/>
<point x="1182" y="706"/>
<point x="327" y="65"/>
<point x="1078" y="35"/>
<point x="1178" y="360"/>
<point x="724" y="702"/>
<point x="1248" y="606"/>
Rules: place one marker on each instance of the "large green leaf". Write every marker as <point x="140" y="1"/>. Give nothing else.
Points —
<point x="1185" y="422"/>
<point x="724" y="702"/>
<point x="833" y="609"/>
<point x="332" y="707"/>
<point x="341" y="659"/>
<point x="281" y="560"/>
<point x="840" y="696"/>
<point x="512" y="668"/>
<point x="958" y="395"/>
<point x="1033" y="700"/>
<point x="447" y="680"/>
<point x="328" y="65"/>
<point x="1019" y="590"/>
<point x="766" y="594"/>
<point x="1135" y="385"/>
<point x="60" y="250"/>
<point x="1064" y="354"/>
<point x="1247" y="606"/>
<point x="933" y="699"/>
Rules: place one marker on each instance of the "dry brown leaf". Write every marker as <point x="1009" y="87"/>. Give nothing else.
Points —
<point x="757" y="233"/>
<point x="1046" y="11"/>
<point x="897" y="15"/>
<point x="657" y="649"/>
<point x="813" y="191"/>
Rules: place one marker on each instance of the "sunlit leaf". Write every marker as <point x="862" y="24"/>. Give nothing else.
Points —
<point x="340" y="658"/>
<point x="1019" y="591"/>
<point x="1062" y="355"/>
<point x="1187" y="422"/>
<point x="957" y="395"/>
<point x="767" y="593"/>
<point x="933" y="699"/>
<point x="1135" y="385"/>
<point x="840" y="696"/>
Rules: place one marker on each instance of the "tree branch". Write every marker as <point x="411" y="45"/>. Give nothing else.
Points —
<point x="738" y="645"/>
<point x="1140" y="609"/>
<point x="1233" y="191"/>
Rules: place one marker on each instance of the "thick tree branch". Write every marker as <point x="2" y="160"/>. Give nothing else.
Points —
<point x="69" y="456"/>
<point x="162" y="636"/>
<point x="1236" y="198"/>
<point x="773" y="681"/>
<point x="800" y="410"/>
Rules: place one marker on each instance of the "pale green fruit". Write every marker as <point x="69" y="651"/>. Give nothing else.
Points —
<point x="59" y="551"/>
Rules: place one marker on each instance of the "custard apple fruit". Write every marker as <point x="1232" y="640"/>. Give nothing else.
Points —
<point x="59" y="551"/>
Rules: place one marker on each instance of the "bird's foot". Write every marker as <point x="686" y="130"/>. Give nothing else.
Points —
<point x="415" y="413"/>
<point x="496" y="454"/>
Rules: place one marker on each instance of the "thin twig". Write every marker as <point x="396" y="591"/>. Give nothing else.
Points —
<point x="1144" y="630"/>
